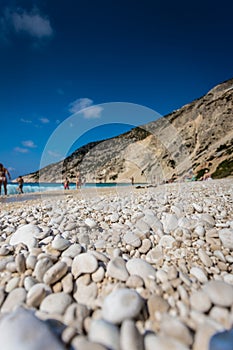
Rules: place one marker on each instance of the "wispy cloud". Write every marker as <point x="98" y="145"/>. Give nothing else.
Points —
<point x="54" y="154"/>
<point x="89" y="111"/>
<point x="44" y="120"/>
<point x="31" y="23"/>
<point x="92" y="112"/>
<point x="80" y="104"/>
<point x="26" y="121"/>
<point x="21" y="150"/>
<point x="29" y="144"/>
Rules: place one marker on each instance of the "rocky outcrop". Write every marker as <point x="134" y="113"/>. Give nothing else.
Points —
<point x="187" y="141"/>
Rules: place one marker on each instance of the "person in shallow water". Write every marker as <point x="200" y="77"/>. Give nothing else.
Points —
<point x="3" y="178"/>
<point x="20" y="182"/>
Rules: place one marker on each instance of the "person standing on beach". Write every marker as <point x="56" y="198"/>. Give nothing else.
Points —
<point x="3" y="178"/>
<point x="132" y="180"/>
<point x="20" y="182"/>
<point x="66" y="184"/>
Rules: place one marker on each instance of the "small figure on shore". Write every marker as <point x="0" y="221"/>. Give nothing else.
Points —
<point x="20" y="182"/>
<point x="132" y="180"/>
<point x="66" y="184"/>
<point x="206" y="175"/>
<point x="78" y="180"/>
<point x="3" y="178"/>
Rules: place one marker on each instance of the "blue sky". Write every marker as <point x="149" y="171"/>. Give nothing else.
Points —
<point x="59" y="56"/>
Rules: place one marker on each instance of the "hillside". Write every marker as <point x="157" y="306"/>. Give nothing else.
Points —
<point x="192" y="138"/>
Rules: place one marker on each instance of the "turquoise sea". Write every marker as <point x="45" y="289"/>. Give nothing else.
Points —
<point x="43" y="187"/>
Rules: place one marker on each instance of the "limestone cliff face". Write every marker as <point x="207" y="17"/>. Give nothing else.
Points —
<point x="196" y="136"/>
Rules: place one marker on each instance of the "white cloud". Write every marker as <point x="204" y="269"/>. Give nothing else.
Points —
<point x="29" y="144"/>
<point x="44" y="120"/>
<point x="85" y="105"/>
<point x="92" y="112"/>
<point x="21" y="150"/>
<point x="25" y="121"/>
<point x="31" y="23"/>
<point x="80" y="104"/>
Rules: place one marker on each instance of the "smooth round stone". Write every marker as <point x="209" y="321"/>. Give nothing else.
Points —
<point x="80" y="342"/>
<point x="84" y="263"/>
<point x="31" y="261"/>
<point x="134" y="281"/>
<point x="15" y="298"/>
<point x="71" y="226"/>
<point x="73" y="250"/>
<point x="117" y="269"/>
<point x="141" y="268"/>
<point x="172" y="327"/>
<point x="200" y="301"/>
<point x="205" y="259"/>
<point x="145" y="247"/>
<point x="154" y="342"/>
<point x="12" y="284"/>
<point x="25" y="234"/>
<point x="114" y="217"/>
<point x="142" y="227"/>
<point x="90" y="223"/>
<point x="167" y="241"/>
<point x="131" y="239"/>
<point x="22" y="330"/>
<point x="105" y="333"/>
<point x="199" y="230"/>
<point x="199" y="274"/>
<point x="198" y="207"/>
<point x="226" y="237"/>
<point x="208" y="220"/>
<point x="55" y="273"/>
<point x="20" y="263"/>
<point x="86" y="294"/>
<point x="130" y="338"/>
<point x="121" y="304"/>
<point x="98" y="275"/>
<point x="67" y="283"/>
<point x="220" y="293"/>
<point x="155" y="304"/>
<point x="170" y="222"/>
<point x="28" y="282"/>
<point x="36" y="294"/>
<point x="41" y="267"/>
<point x="56" y="303"/>
<point x="60" y="243"/>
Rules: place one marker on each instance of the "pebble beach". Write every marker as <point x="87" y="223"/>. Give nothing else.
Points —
<point x="118" y="269"/>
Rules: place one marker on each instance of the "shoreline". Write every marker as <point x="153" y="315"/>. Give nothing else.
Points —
<point x="89" y="192"/>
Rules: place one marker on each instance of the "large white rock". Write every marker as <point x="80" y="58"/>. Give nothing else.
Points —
<point x="140" y="268"/>
<point x="121" y="304"/>
<point x="56" y="303"/>
<point x="105" y="333"/>
<point x="26" y="234"/>
<point x="84" y="263"/>
<point x="219" y="292"/>
<point x="226" y="236"/>
<point x="22" y="330"/>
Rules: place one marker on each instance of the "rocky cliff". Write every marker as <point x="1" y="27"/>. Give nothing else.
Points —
<point x="185" y="142"/>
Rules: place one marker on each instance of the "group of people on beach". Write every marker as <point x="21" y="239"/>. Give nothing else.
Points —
<point x="66" y="183"/>
<point x="4" y="173"/>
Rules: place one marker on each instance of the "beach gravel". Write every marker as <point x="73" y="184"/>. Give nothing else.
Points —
<point x="143" y="269"/>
